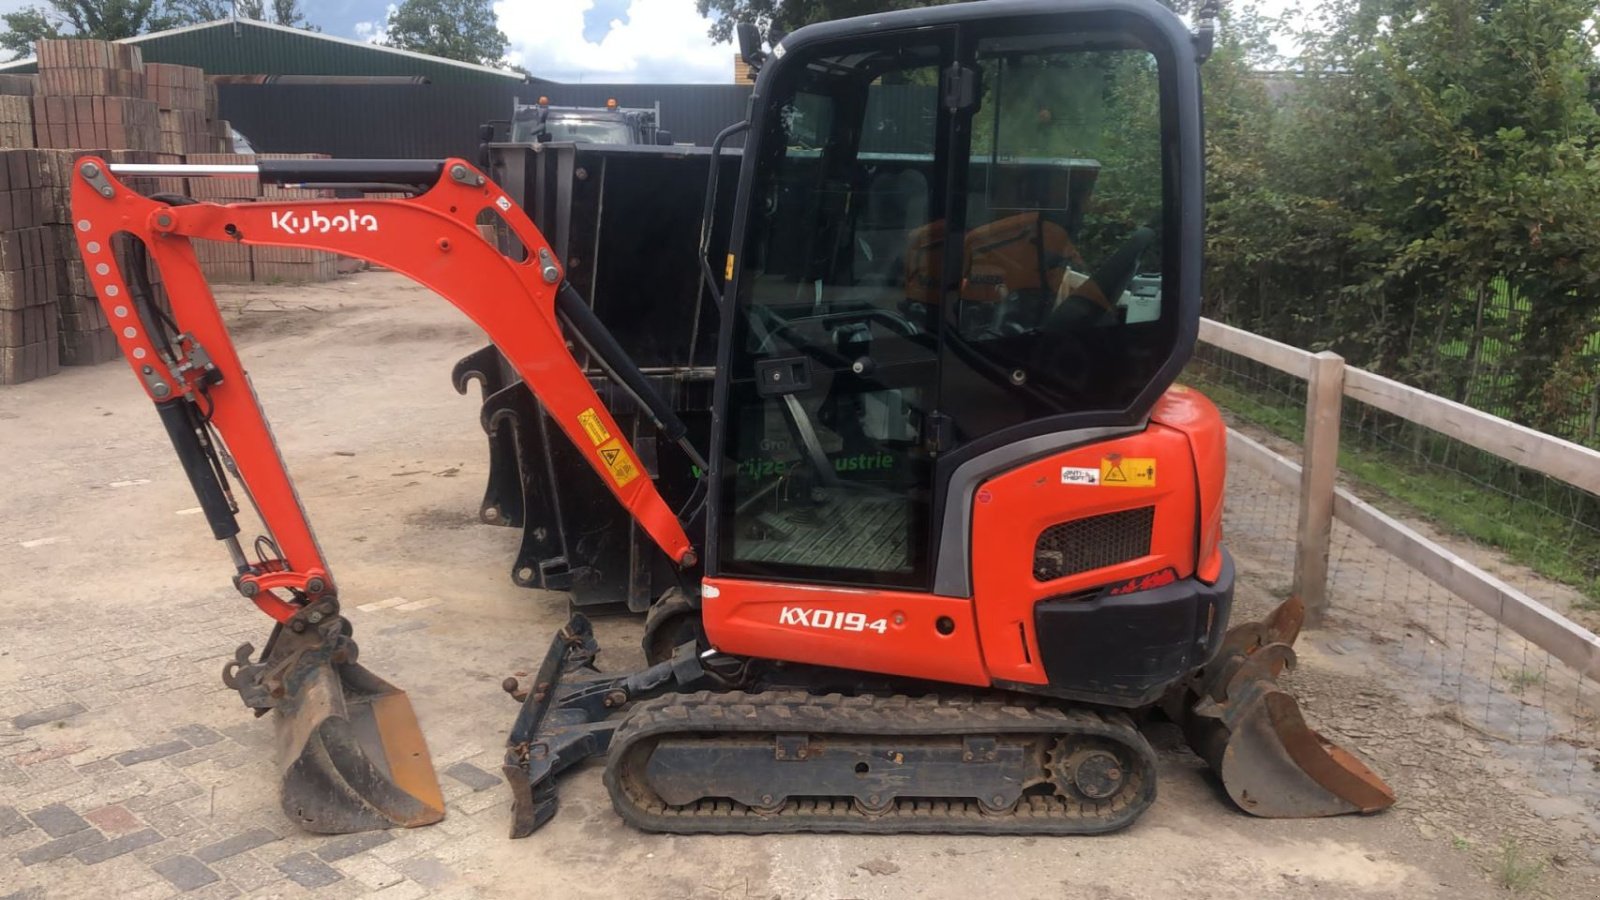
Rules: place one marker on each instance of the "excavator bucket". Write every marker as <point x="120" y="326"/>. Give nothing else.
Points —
<point x="349" y="749"/>
<point x="1250" y="731"/>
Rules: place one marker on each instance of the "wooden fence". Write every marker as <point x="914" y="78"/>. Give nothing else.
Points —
<point x="1328" y="381"/>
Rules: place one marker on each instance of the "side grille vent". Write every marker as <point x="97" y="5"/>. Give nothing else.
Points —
<point x="1082" y="545"/>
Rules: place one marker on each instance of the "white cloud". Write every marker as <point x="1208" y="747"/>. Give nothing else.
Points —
<point x="660" y="41"/>
<point x="373" y="31"/>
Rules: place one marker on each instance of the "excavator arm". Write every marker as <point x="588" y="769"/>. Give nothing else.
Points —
<point x="349" y="747"/>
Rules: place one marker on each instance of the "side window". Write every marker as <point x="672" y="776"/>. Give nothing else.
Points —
<point x="1060" y="306"/>
<point x="834" y="370"/>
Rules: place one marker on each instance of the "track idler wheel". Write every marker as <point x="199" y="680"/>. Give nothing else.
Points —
<point x="1087" y="769"/>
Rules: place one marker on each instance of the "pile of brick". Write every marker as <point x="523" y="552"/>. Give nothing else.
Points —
<point x="91" y="94"/>
<point x="16" y="111"/>
<point x="28" y="275"/>
<point x="180" y="94"/>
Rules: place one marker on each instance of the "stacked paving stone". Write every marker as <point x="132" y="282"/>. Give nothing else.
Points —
<point x="16" y="111"/>
<point x="179" y="92"/>
<point x="91" y="94"/>
<point x="27" y="271"/>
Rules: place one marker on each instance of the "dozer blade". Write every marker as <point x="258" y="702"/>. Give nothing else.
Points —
<point x="349" y="749"/>
<point x="1250" y="731"/>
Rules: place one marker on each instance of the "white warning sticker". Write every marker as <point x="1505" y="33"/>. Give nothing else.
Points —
<point x="1070" y="475"/>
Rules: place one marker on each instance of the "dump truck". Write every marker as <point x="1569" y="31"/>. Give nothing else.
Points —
<point x="956" y="533"/>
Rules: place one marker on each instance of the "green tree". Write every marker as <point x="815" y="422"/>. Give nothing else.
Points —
<point x="1432" y="149"/>
<point x="103" y="19"/>
<point x="278" y="12"/>
<point x="464" y="30"/>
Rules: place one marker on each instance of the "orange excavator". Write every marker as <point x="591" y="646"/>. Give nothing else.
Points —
<point x="957" y="536"/>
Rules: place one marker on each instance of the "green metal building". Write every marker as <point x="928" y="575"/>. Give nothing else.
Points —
<point x="249" y="47"/>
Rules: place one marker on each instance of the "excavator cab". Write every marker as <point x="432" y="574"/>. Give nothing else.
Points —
<point x="864" y="362"/>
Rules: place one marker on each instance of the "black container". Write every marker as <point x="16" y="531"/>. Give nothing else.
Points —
<point x="626" y="223"/>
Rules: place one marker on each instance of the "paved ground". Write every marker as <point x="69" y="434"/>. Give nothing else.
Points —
<point x="125" y="765"/>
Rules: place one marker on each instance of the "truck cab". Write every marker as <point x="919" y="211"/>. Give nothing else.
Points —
<point x="611" y="124"/>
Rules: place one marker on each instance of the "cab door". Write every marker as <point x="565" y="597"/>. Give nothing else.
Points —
<point x="830" y="363"/>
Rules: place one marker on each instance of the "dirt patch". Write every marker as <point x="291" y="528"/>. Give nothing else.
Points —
<point x="444" y="519"/>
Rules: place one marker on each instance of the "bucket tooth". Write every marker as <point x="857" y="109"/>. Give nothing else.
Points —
<point x="1252" y="734"/>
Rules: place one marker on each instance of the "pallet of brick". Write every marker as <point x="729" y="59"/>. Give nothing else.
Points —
<point x="221" y="135"/>
<point x="16" y="85"/>
<point x="26" y="259"/>
<point x="27" y="308"/>
<point x="23" y="190"/>
<point x="55" y="167"/>
<point x="225" y="262"/>
<point x="123" y="123"/>
<point x="185" y="131"/>
<point x="16" y="121"/>
<point x="274" y="265"/>
<point x="175" y="87"/>
<point x="74" y="67"/>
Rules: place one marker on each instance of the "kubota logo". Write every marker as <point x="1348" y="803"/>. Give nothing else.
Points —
<point x="293" y="222"/>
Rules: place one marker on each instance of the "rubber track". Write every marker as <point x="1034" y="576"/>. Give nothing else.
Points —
<point x="796" y="712"/>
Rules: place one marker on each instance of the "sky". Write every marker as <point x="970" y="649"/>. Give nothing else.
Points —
<point x="661" y="41"/>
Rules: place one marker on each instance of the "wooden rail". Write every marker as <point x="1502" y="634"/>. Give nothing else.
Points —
<point x="1329" y="380"/>
<point x="1562" y="460"/>
<point x="1538" y="624"/>
<point x="1263" y="350"/>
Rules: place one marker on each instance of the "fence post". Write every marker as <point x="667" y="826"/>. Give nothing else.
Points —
<point x="1324" y="396"/>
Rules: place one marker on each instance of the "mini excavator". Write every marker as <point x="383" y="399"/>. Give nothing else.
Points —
<point x="964" y="635"/>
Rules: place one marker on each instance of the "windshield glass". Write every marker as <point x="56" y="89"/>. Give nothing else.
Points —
<point x="1059" y="306"/>
<point x="586" y="131"/>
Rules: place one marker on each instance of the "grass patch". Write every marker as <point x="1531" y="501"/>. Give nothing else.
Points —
<point x="1515" y="871"/>
<point x="1521" y="679"/>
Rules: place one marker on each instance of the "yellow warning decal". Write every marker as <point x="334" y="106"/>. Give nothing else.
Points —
<point x="590" y="420"/>
<point x="618" y="463"/>
<point x="728" y="276"/>
<point x="1128" y="471"/>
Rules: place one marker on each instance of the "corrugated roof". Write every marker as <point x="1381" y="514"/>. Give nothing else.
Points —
<point x="250" y="47"/>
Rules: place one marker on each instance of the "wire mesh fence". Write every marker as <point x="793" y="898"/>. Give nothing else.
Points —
<point x="1549" y="529"/>
<point x="1459" y="671"/>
